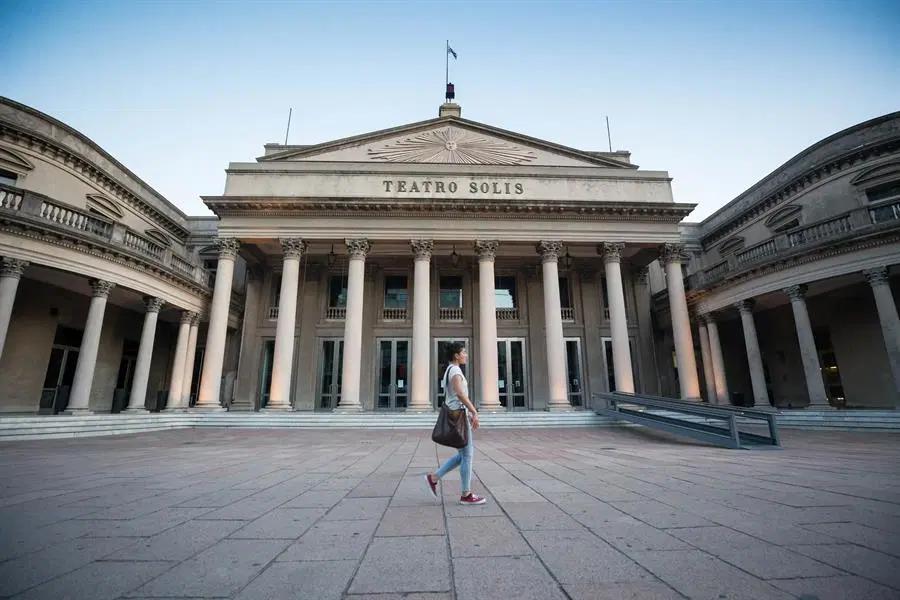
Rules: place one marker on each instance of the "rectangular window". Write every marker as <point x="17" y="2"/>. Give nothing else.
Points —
<point x="337" y="292"/>
<point x="8" y="177"/>
<point x="275" y="291"/>
<point x="505" y="292"/>
<point x="396" y="294"/>
<point x="565" y="294"/>
<point x="451" y="292"/>
<point x="889" y="191"/>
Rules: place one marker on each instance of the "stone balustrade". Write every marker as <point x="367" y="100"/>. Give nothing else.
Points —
<point x="820" y="231"/>
<point x="38" y="211"/>
<point x="756" y="253"/>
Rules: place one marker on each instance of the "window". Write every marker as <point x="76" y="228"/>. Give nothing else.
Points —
<point x="888" y="191"/>
<point x="505" y="292"/>
<point x="451" y="292"/>
<point x="8" y="177"/>
<point x="604" y="295"/>
<point x="337" y="292"/>
<point x="889" y="212"/>
<point x="274" y="296"/>
<point x="789" y="225"/>
<point x="396" y="294"/>
<point x="565" y="294"/>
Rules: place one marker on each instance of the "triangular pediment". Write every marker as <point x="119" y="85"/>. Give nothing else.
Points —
<point x="446" y="140"/>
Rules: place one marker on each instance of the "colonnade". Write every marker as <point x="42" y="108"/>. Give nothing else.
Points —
<point x="714" y="365"/>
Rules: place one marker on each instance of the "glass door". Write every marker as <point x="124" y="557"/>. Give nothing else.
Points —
<point x="574" y="372"/>
<point x="265" y="373"/>
<point x="511" y="371"/>
<point x="440" y="360"/>
<point x="58" y="379"/>
<point x="393" y="374"/>
<point x="610" y="364"/>
<point x="331" y="365"/>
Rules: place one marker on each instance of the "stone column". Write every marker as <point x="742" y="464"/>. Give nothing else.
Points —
<point x="671" y="256"/>
<point x="243" y="398"/>
<point x="11" y="270"/>
<point x="706" y="356"/>
<point x="138" y="399"/>
<point x="890" y="323"/>
<point x="419" y="397"/>
<point x="618" y="321"/>
<point x="285" y="328"/>
<point x="815" y="386"/>
<point x="556" y="344"/>
<point x="353" y="321"/>
<point x="211" y="376"/>
<point x="487" y="326"/>
<point x="717" y="360"/>
<point x="176" y="381"/>
<point x="754" y="356"/>
<point x="189" y="364"/>
<point x="80" y="396"/>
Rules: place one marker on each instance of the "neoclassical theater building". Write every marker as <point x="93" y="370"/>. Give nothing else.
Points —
<point x="333" y="276"/>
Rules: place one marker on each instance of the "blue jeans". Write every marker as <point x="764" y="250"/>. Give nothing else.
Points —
<point x="463" y="460"/>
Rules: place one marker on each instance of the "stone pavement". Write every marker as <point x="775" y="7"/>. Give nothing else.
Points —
<point x="606" y="513"/>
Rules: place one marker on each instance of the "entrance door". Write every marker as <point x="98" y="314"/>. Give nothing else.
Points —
<point x="440" y="360"/>
<point x="511" y="369"/>
<point x="610" y="365"/>
<point x="331" y="364"/>
<point x="265" y="374"/>
<point x="574" y="372"/>
<point x="125" y="376"/>
<point x="58" y="379"/>
<point x="393" y="374"/>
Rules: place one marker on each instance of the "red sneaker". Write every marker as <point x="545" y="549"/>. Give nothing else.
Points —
<point x="430" y="485"/>
<point x="471" y="499"/>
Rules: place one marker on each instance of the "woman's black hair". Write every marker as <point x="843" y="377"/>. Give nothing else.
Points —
<point x="453" y="349"/>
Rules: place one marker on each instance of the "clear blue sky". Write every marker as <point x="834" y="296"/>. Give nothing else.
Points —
<point x="717" y="93"/>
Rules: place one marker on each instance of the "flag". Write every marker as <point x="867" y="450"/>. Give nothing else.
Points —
<point x="451" y="51"/>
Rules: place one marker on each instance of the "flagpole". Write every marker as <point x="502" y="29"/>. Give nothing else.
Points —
<point x="447" y="64"/>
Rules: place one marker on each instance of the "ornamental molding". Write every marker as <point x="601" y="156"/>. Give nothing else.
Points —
<point x="422" y="249"/>
<point x="12" y="268"/>
<point x="114" y="254"/>
<point x="292" y="247"/>
<point x="486" y="249"/>
<point x="662" y="212"/>
<point x="227" y="247"/>
<point x="101" y="288"/>
<point x="796" y="292"/>
<point x="154" y="305"/>
<point x="672" y="253"/>
<point x="550" y="250"/>
<point x="358" y="248"/>
<point x="52" y="151"/>
<point x="785" y="185"/>
<point x="877" y="276"/>
<point x="611" y="251"/>
<point x="452" y="145"/>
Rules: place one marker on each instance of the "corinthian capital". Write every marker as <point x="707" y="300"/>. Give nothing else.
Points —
<point x="153" y="304"/>
<point x="100" y="288"/>
<point x="611" y="251"/>
<point x="12" y="267"/>
<point x="744" y="306"/>
<point x="422" y="249"/>
<point x="549" y="250"/>
<point x="292" y="247"/>
<point x="795" y="292"/>
<point x="877" y="276"/>
<point x="358" y="248"/>
<point x="228" y="247"/>
<point x="486" y="249"/>
<point x="188" y="316"/>
<point x="672" y="253"/>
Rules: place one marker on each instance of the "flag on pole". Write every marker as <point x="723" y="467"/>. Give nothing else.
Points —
<point x="451" y="51"/>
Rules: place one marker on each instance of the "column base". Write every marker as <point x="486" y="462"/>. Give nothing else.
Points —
<point x="276" y="409"/>
<point x="77" y="412"/>
<point x="175" y="409"/>
<point x="214" y="408"/>
<point x="818" y="407"/>
<point x="560" y="408"/>
<point x="133" y="411"/>
<point x="419" y="410"/>
<point x="698" y="400"/>
<point x="353" y="408"/>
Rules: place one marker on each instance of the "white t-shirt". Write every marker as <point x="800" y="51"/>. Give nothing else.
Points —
<point x="450" y="398"/>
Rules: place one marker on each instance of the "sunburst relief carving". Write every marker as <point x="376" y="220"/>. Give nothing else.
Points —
<point x="453" y="146"/>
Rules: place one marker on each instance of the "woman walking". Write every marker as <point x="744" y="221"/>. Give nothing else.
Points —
<point x="456" y="394"/>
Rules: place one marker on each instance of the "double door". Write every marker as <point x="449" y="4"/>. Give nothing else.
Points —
<point x="331" y="364"/>
<point x="58" y="379"/>
<point x="511" y="383"/>
<point x="392" y="392"/>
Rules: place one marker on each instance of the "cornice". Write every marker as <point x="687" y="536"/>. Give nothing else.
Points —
<point x="52" y="150"/>
<point x="233" y="206"/>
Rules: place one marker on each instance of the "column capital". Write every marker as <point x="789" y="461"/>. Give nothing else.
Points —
<point x="358" y="248"/>
<point x="795" y="292"/>
<point x="745" y="306"/>
<point x="153" y="304"/>
<point x="707" y="317"/>
<point x="422" y="249"/>
<point x="12" y="267"/>
<point x="292" y="247"/>
<point x="877" y="276"/>
<point x="669" y="253"/>
<point x="549" y="250"/>
<point x="101" y="288"/>
<point x="486" y="249"/>
<point x="611" y="251"/>
<point x="188" y="317"/>
<point x="228" y="247"/>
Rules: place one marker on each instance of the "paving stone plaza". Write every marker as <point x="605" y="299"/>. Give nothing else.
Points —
<point x="582" y="513"/>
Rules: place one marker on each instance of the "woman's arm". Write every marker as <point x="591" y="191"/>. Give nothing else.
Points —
<point x="461" y="394"/>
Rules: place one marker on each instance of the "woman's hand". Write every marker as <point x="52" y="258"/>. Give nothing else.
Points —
<point x="473" y="417"/>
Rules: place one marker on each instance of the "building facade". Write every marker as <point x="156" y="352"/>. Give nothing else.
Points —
<point x="333" y="276"/>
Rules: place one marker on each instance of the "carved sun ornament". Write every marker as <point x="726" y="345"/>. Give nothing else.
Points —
<point x="453" y="146"/>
